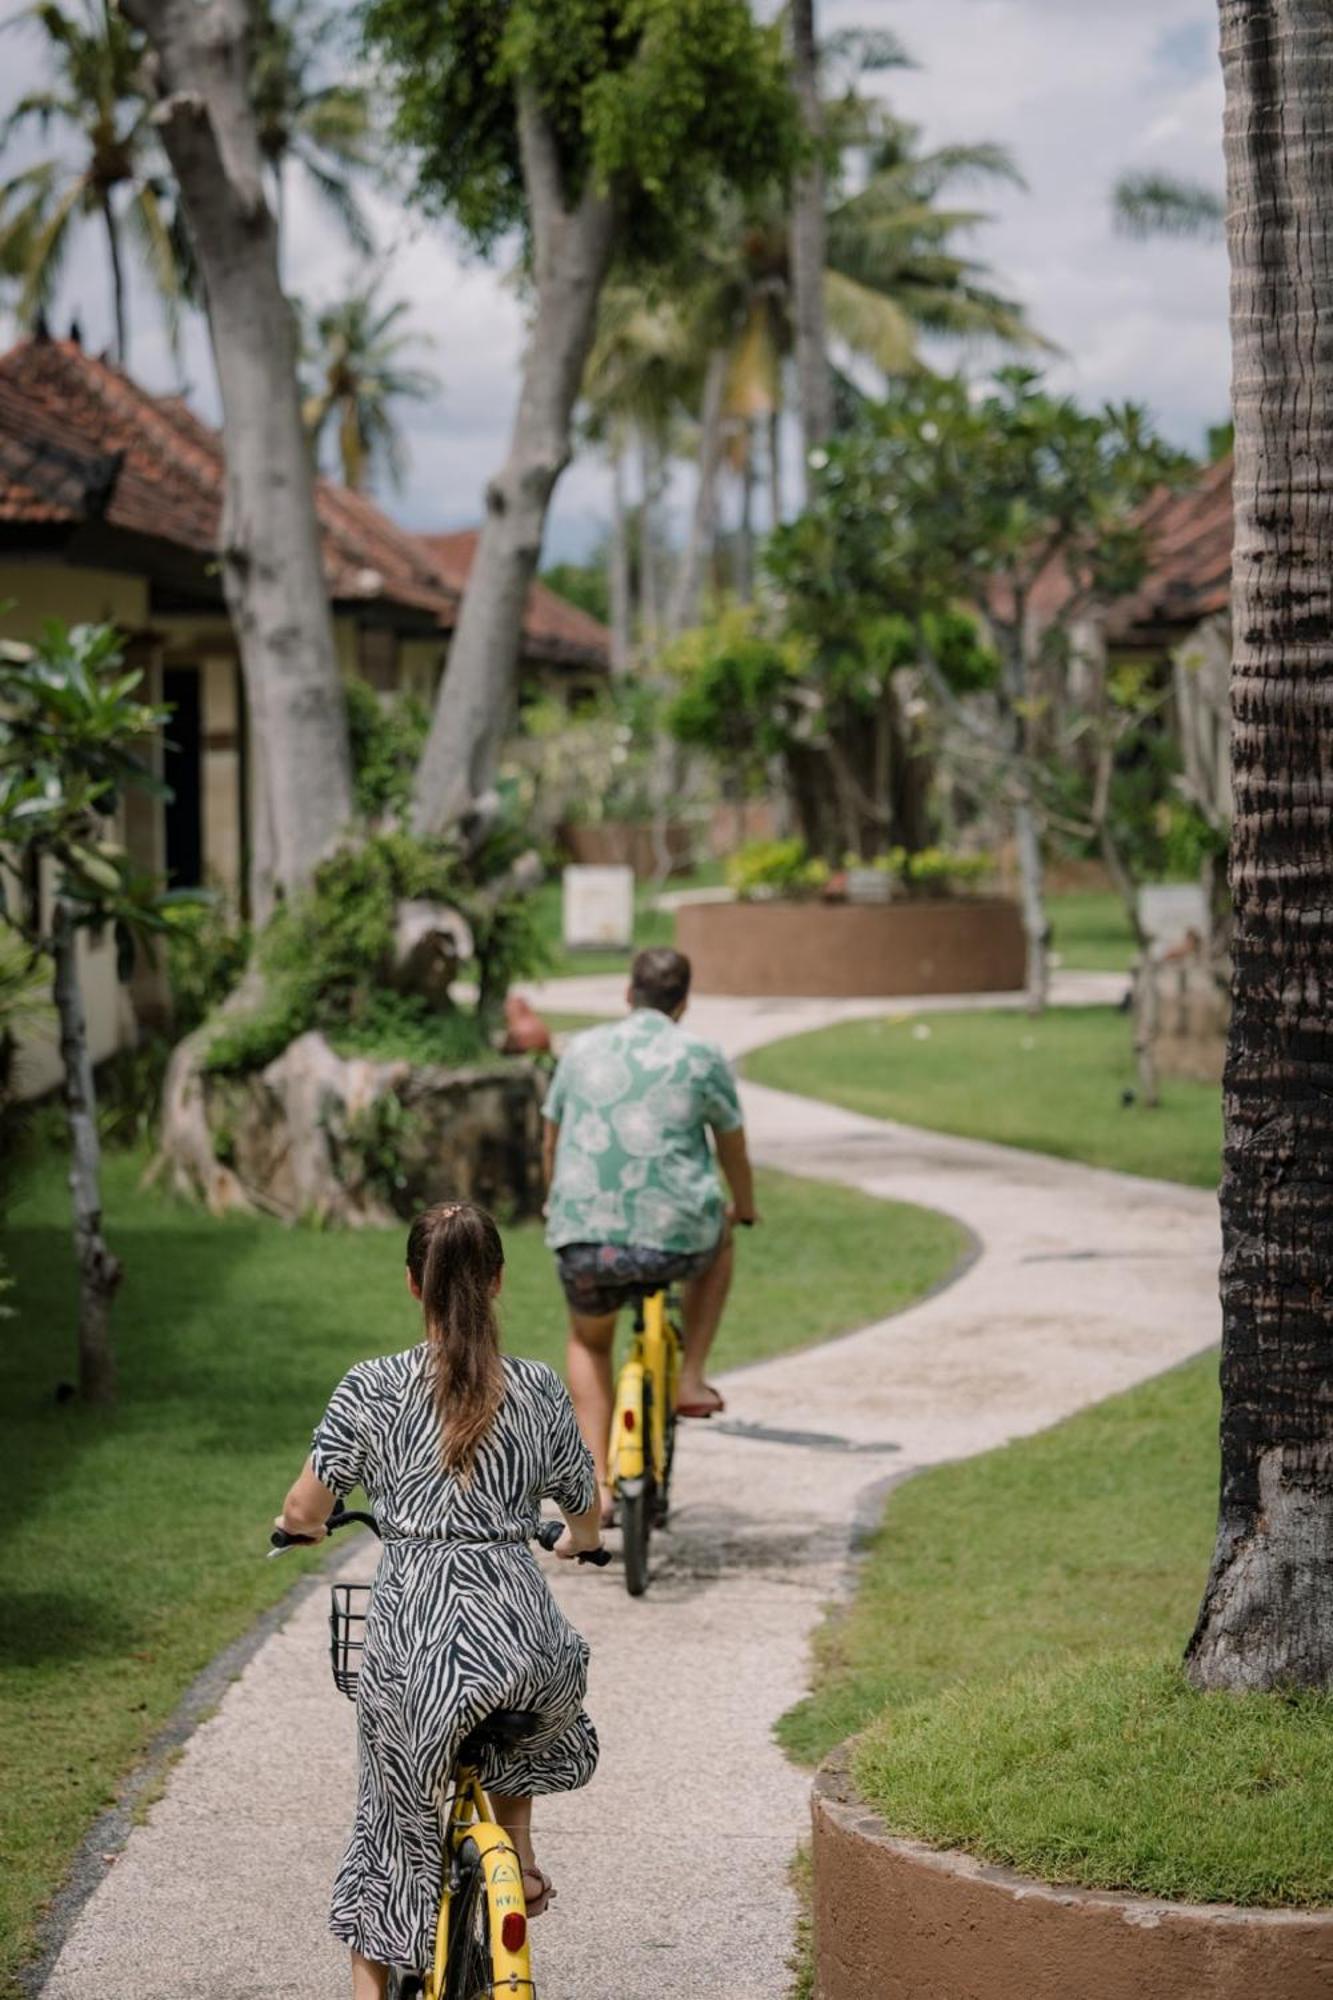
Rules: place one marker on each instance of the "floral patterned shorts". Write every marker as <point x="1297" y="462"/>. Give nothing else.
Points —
<point x="600" y="1278"/>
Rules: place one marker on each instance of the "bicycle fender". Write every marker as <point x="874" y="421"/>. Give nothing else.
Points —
<point x="627" y="1442"/>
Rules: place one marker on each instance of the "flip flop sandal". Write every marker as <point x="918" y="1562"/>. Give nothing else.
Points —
<point x="713" y="1409"/>
<point x="536" y="1904"/>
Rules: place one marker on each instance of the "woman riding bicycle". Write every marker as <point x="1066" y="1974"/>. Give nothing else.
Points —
<point x="456" y="1446"/>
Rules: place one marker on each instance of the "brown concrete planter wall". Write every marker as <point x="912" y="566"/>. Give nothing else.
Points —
<point x="854" y="951"/>
<point x="626" y="844"/>
<point x="898" y="1921"/>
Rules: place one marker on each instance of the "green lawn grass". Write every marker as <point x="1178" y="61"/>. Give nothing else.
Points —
<point x="133" y="1548"/>
<point x="1012" y="1656"/>
<point x="1052" y="1085"/>
<point x="1090" y="931"/>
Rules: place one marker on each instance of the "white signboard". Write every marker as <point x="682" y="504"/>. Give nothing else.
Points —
<point x="1169" y="911"/>
<point x="599" y="908"/>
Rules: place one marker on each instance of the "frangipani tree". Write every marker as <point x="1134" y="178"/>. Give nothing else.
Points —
<point x="71" y="734"/>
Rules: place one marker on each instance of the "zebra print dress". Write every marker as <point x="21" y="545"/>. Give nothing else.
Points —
<point x="461" y="1622"/>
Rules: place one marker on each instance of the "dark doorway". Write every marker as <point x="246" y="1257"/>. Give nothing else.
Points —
<point x="182" y="770"/>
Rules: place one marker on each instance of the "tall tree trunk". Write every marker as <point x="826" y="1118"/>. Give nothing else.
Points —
<point x="650" y="603"/>
<point x="572" y="250"/>
<point x="683" y="609"/>
<point x="745" y="530"/>
<point x="1267" y="1614"/>
<point x="775" y="468"/>
<point x="809" y="247"/>
<point x="99" y="1271"/>
<point x="618" y="588"/>
<point x="271" y="568"/>
<point x="117" y="281"/>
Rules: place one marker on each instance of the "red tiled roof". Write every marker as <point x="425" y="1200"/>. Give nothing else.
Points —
<point x="55" y="398"/>
<point x="1190" y="534"/>
<point x="553" y="627"/>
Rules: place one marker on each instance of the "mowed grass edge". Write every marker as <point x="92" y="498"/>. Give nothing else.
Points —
<point x="1010" y="1666"/>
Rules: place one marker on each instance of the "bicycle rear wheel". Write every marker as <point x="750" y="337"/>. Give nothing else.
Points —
<point x="638" y="1508"/>
<point x="471" y="1961"/>
<point x="405" y="1985"/>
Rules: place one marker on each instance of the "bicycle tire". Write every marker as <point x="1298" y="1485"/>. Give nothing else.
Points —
<point x="471" y="1968"/>
<point x="405" y="1985"/>
<point x="638" y="1502"/>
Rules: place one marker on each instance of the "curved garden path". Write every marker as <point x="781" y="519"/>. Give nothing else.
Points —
<point x="673" y="1864"/>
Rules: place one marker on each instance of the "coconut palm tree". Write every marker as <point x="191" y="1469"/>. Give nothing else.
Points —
<point x="359" y="376"/>
<point x="108" y="170"/>
<point x="1153" y="204"/>
<point x="1267" y="1615"/>
<point x="304" y="119"/>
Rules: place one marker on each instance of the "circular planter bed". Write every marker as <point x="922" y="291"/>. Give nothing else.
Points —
<point x="854" y="950"/>
<point x="895" y="1920"/>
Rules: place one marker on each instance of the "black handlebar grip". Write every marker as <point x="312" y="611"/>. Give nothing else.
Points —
<point x="280" y="1539"/>
<point x="549" y="1534"/>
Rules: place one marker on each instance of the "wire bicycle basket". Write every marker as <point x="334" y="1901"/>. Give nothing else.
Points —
<point x="348" y="1608"/>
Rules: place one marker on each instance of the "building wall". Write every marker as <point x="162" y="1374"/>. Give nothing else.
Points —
<point x="42" y="589"/>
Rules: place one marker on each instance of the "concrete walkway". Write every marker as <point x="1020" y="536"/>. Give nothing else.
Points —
<point x="673" y="1864"/>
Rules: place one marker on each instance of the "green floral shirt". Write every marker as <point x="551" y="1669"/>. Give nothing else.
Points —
<point x="634" y="1101"/>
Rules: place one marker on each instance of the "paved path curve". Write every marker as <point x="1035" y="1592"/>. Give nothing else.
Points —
<point x="673" y="1864"/>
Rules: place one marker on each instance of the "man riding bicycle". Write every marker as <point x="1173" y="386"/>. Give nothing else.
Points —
<point x="634" y="1199"/>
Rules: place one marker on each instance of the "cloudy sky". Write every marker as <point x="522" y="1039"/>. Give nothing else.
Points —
<point x="1078" y="90"/>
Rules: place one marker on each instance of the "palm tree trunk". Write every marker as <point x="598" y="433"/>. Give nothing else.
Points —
<point x="650" y="611"/>
<point x="117" y="281"/>
<point x="99" y="1271"/>
<point x="1267" y="1614"/>
<point x="775" y="468"/>
<point x="684" y="605"/>
<point x="571" y="253"/>
<point x="618" y="586"/>
<point x="809" y="250"/>
<point x="271" y="563"/>
<point x="745" y="531"/>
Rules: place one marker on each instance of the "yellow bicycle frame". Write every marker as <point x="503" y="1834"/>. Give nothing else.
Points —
<point x="653" y="1358"/>
<point x="470" y="1819"/>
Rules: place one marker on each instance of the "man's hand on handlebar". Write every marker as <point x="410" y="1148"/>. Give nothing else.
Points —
<point x="304" y="1534"/>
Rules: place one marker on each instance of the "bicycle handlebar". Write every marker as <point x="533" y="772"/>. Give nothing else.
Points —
<point x="547" y="1535"/>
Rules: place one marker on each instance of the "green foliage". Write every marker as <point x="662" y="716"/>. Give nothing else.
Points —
<point x="776" y="868"/>
<point x="25" y="984"/>
<point x="583" y="584"/>
<point x="395" y="1026"/>
<point x="327" y="958"/>
<point x="207" y="950"/>
<point x="738" y="690"/>
<point x="787" y="868"/>
<point x="70" y="734"/>
<point x="595" y="765"/>
<point x="653" y="101"/>
<point x="386" y="736"/>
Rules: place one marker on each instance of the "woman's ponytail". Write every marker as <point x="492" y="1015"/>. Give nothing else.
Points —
<point x="455" y="1257"/>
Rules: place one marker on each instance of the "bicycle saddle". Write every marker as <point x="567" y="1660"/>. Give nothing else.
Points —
<point x="503" y="1729"/>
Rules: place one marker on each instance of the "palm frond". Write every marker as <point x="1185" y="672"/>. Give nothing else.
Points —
<point x="338" y="197"/>
<point x="1151" y="204"/>
<point x="872" y="324"/>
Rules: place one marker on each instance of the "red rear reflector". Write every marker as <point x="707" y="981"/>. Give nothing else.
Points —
<point x="629" y="1420"/>
<point x="514" y="1931"/>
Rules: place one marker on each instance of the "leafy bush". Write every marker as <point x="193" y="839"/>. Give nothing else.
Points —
<point x="327" y="959"/>
<point x="400" y="1027"/>
<point x="786" y="868"/>
<point x="776" y="868"/>
<point x="207" y="949"/>
<point x="596" y="765"/>
<point x="386" y="735"/>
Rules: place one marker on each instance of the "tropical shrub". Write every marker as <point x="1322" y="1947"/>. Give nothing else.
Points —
<point x="787" y="869"/>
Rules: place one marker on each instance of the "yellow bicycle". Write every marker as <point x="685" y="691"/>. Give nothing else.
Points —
<point x="643" y="1431"/>
<point x="481" y="1933"/>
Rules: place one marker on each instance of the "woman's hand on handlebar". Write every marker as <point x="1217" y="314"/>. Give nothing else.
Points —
<point x="303" y="1531"/>
<point x="570" y="1546"/>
